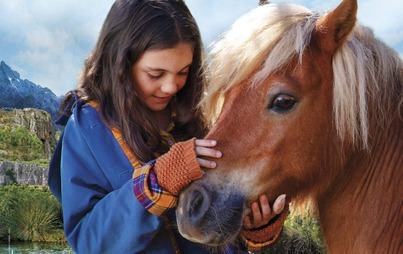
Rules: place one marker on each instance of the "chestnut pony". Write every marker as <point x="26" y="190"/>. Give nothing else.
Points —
<point x="308" y="105"/>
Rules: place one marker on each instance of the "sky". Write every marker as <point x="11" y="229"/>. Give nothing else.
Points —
<point x="47" y="41"/>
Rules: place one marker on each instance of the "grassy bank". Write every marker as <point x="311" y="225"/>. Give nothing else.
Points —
<point x="29" y="213"/>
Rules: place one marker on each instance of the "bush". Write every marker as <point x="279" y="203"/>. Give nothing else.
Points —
<point x="21" y="145"/>
<point x="30" y="213"/>
<point x="301" y="234"/>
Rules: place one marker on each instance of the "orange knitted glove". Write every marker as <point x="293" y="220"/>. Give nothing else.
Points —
<point x="178" y="167"/>
<point x="257" y="239"/>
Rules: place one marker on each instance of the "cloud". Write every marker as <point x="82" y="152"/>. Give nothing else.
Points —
<point x="47" y="41"/>
<point x="215" y="17"/>
<point x="385" y="19"/>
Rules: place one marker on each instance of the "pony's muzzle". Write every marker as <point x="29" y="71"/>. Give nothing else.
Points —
<point x="207" y="216"/>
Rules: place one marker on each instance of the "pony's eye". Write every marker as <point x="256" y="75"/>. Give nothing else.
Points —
<point x="282" y="103"/>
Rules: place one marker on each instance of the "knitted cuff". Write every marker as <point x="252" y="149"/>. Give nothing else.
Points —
<point x="178" y="167"/>
<point x="257" y="239"/>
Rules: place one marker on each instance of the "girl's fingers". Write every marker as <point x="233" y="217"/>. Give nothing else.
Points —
<point x="247" y="223"/>
<point x="257" y="216"/>
<point x="205" y="142"/>
<point x="261" y="213"/>
<point x="265" y="207"/>
<point x="206" y="163"/>
<point x="279" y="204"/>
<point x="207" y="152"/>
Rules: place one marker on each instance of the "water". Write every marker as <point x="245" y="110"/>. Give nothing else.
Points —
<point x="35" y="248"/>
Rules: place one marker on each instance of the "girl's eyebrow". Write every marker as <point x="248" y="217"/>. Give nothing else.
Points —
<point x="187" y="66"/>
<point x="160" y="69"/>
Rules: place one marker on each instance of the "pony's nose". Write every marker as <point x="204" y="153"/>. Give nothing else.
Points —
<point x="197" y="204"/>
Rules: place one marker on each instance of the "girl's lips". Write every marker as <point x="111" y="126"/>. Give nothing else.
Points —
<point x="162" y="99"/>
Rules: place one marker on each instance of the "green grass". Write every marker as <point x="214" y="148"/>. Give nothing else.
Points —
<point x="29" y="214"/>
<point x="20" y="145"/>
<point x="301" y="235"/>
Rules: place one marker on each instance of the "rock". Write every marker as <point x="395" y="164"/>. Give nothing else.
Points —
<point x="38" y="122"/>
<point x="15" y="172"/>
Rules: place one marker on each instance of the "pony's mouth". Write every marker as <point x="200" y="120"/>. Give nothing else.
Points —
<point x="270" y="233"/>
<point x="211" y="218"/>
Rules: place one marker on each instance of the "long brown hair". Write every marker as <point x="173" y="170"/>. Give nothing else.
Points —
<point x="131" y="28"/>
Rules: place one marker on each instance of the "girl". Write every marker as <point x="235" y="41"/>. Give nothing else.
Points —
<point x="136" y="101"/>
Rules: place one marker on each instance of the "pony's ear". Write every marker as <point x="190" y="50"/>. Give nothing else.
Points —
<point x="263" y="2"/>
<point x="333" y="28"/>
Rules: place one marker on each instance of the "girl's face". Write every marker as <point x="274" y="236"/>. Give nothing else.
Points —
<point x="160" y="74"/>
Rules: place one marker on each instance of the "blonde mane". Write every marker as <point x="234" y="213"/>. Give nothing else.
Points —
<point x="368" y="75"/>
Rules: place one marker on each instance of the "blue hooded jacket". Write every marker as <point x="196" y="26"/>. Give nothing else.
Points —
<point x="92" y="178"/>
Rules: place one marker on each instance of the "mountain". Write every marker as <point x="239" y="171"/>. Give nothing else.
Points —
<point x="19" y="93"/>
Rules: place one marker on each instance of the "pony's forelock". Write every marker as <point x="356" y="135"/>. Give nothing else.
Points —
<point x="243" y="51"/>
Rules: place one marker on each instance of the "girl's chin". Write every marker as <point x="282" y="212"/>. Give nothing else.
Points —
<point x="158" y="107"/>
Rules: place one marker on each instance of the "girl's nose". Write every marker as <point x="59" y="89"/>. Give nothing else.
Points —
<point x="169" y="87"/>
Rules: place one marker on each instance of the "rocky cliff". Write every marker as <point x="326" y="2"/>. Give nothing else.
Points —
<point x="15" y="172"/>
<point x="38" y="122"/>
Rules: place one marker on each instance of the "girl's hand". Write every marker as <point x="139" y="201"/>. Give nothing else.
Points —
<point x="260" y="212"/>
<point x="204" y="148"/>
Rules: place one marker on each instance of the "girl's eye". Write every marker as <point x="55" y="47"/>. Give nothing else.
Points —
<point x="185" y="73"/>
<point x="154" y="75"/>
<point x="282" y="103"/>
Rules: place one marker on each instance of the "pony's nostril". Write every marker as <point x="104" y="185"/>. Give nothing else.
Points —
<point x="198" y="205"/>
<point x="196" y="202"/>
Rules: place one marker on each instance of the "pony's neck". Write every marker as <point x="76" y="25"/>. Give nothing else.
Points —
<point x="362" y="211"/>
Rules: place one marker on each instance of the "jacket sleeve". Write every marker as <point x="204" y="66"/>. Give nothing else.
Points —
<point x="100" y="212"/>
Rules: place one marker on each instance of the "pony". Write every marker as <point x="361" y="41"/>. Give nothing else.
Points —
<point x="309" y="105"/>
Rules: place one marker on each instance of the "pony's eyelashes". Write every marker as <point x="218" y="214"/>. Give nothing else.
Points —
<point x="282" y="103"/>
<point x="281" y="99"/>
